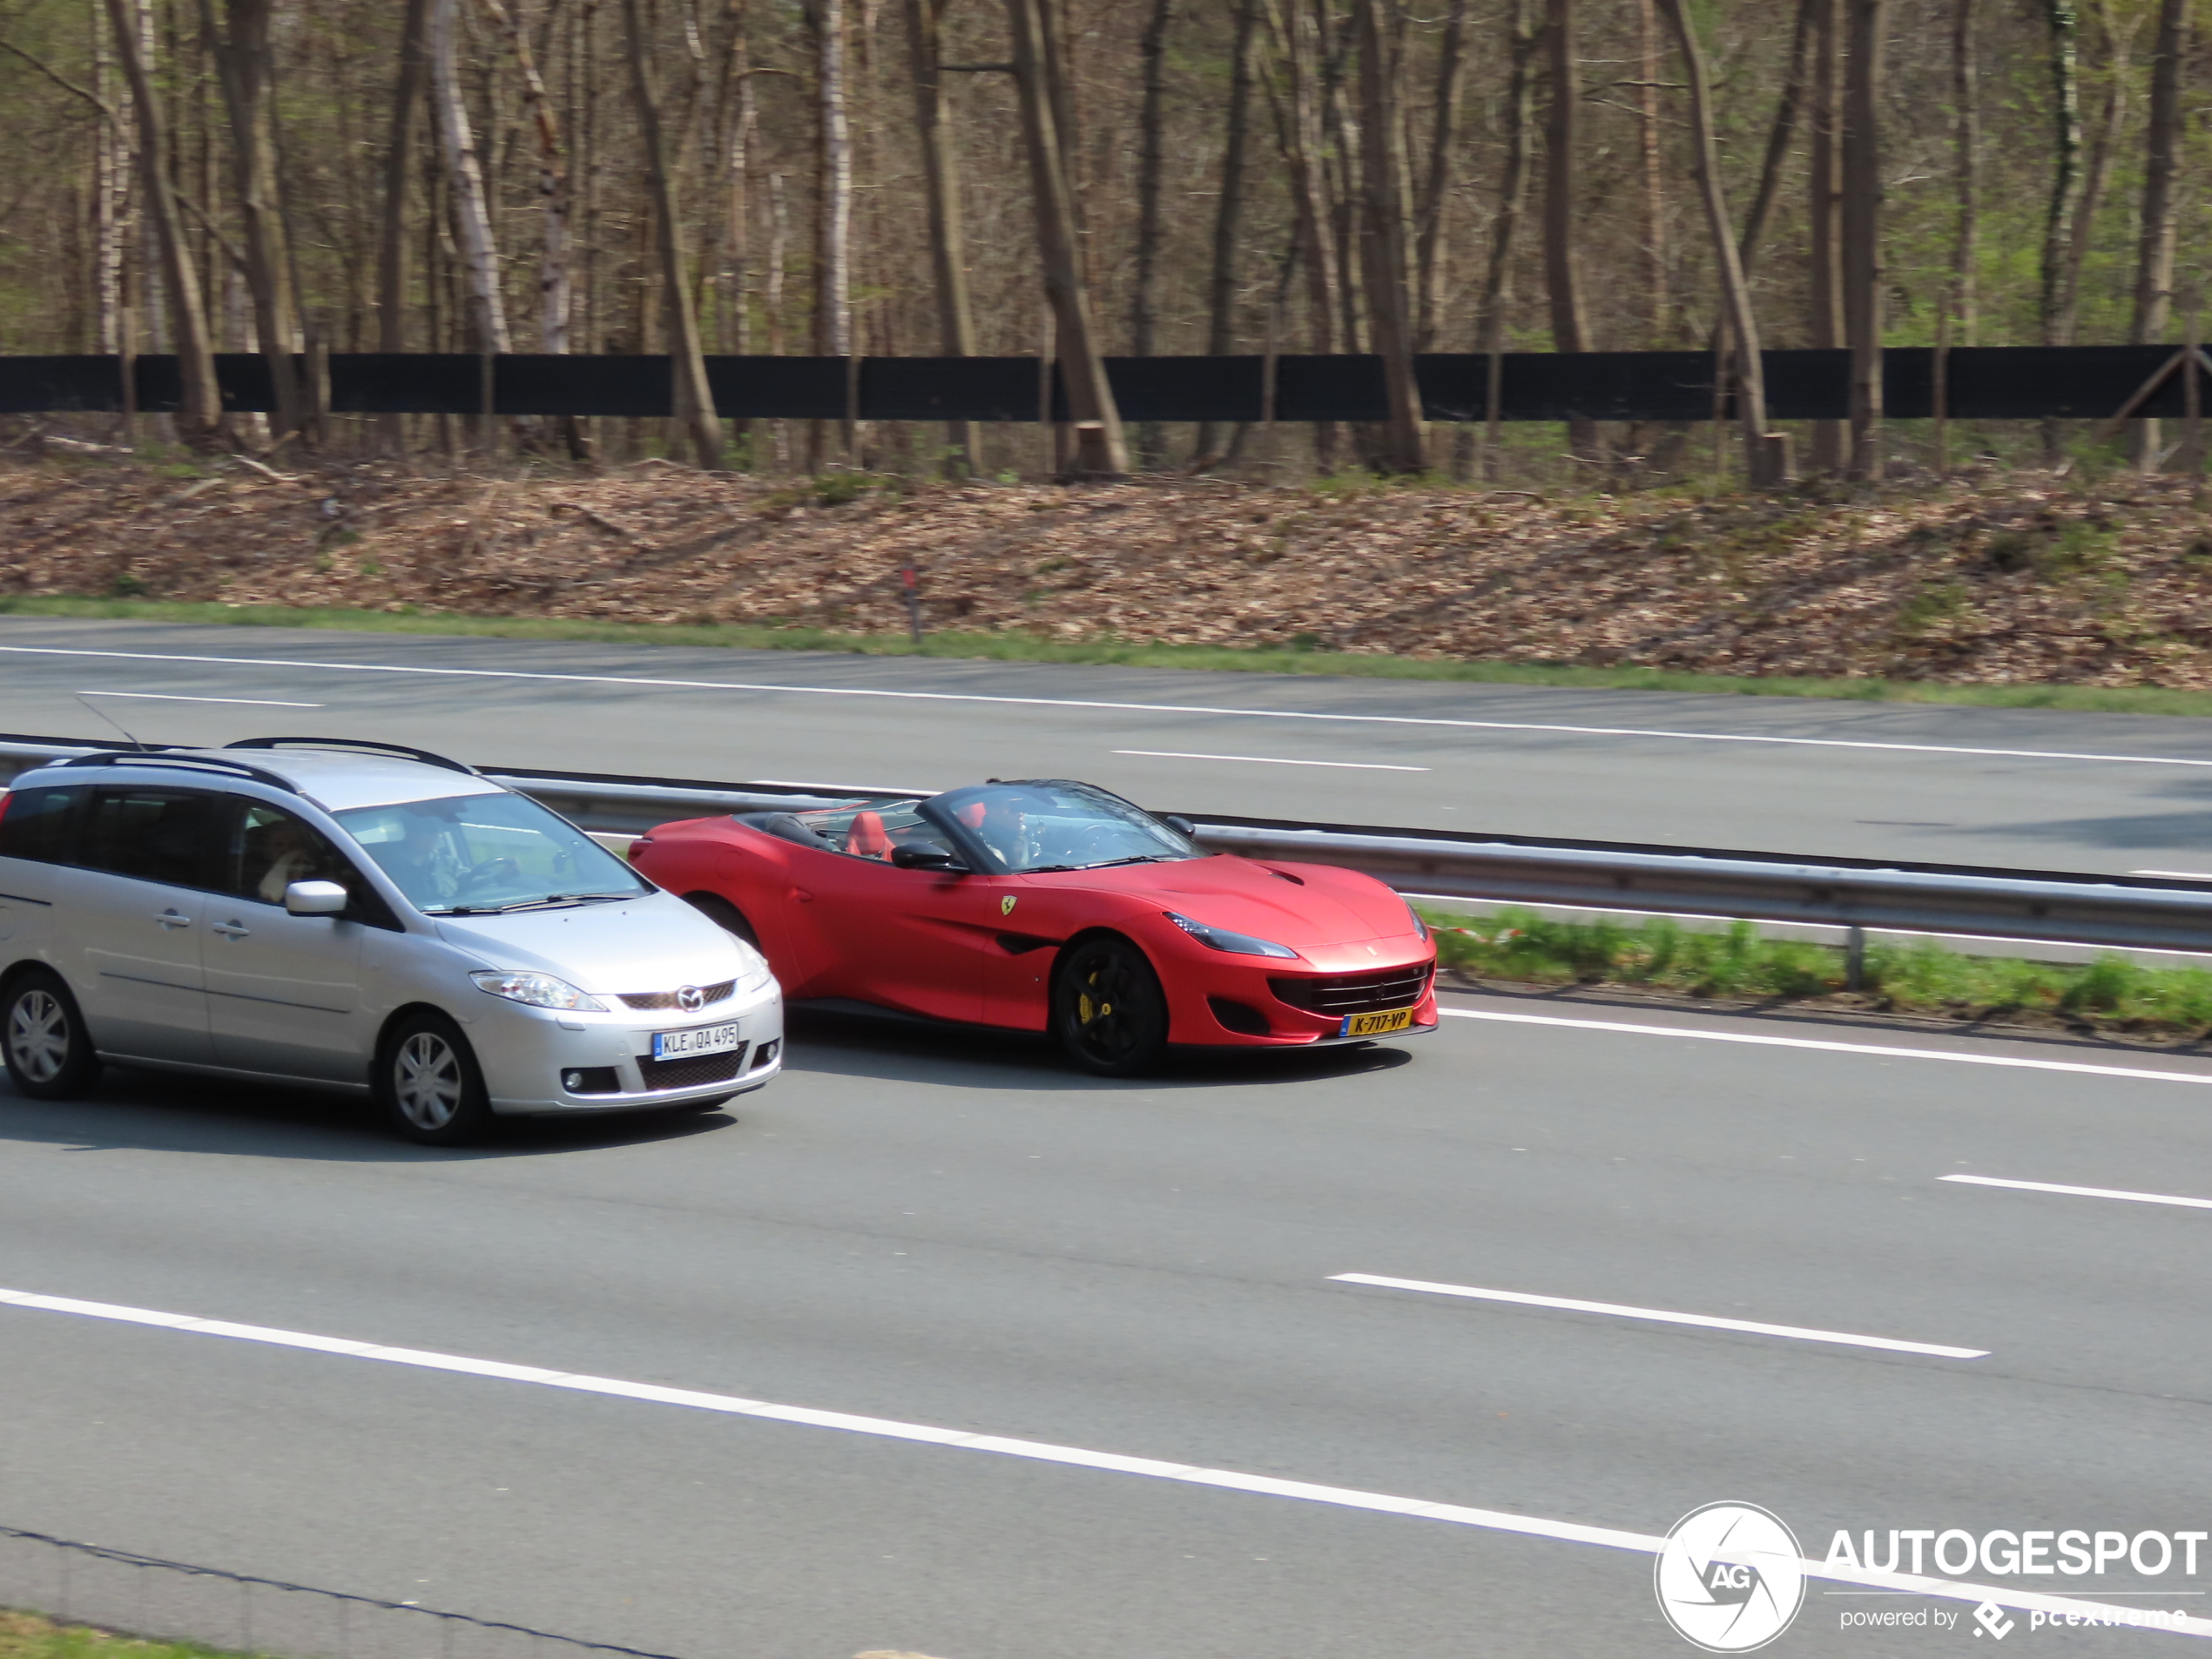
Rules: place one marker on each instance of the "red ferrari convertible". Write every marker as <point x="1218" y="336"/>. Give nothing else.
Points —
<point x="1047" y="904"/>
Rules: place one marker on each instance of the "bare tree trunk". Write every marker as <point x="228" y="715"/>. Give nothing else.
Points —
<point x="1780" y="137"/>
<point x="2064" y="25"/>
<point x="471" y="213"/>
<point x="2155" y="234"/>
<point x="1151" y="161"/>
<point x="1385" y="226"/>
<point x="391" y="259"/>
<point x="947" y="237"/>
<point x="2104" y="146"/>
<point x="110" y="205"/>
<point x="1863" y="267"/>
<point x="1562" y="276"/>
<point x="1299" y="132"/>
<point x="1436" y="189"/>
<point x="1505" y="227"/>
<point x="834" y="204"/>
<point x="1824" y="287"/>
<point x="1229" y="210"/>
<point x="199" y="414"/>
<point x="1100" y="450"/>
<point x="1965" y="143"/>
<point x="1736" y="293"/>
<point x="1654" y="187"/>
<point x="694" y="398"/>
<point x="244" y="66"/>
<point x="552" y="185"/>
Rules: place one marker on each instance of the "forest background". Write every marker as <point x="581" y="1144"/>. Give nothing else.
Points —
<point x="1086" y="177"/>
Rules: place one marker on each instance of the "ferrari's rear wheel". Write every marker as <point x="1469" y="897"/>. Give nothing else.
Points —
<point x="1108" y="1009"/>
<point x="724" y="915"/>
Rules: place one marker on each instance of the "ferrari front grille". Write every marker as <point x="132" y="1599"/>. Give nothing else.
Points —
<point x="665" y="1003"/>
<point x="1395" y="988"/>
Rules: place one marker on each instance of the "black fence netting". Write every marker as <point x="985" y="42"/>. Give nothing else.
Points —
<point x="1984" y="383"/>
<point x="144" y="1595"/>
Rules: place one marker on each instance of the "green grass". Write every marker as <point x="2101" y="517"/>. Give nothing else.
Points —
<point x="27" y="1636"/>
<point x="2110" y="993"/>
<point x="1029" y="647"/>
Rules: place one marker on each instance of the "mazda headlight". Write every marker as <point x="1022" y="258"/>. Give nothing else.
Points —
<point x="538" y="990"/>
<point x="1222" y="939"/>
<point x="1420" y="923"/>
<point x="756" y="973"/>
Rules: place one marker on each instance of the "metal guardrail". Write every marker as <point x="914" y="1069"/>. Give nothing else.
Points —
<point x="2121" y="912"/>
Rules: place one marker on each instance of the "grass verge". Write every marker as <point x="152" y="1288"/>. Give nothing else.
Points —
<point x="28" y="1635"/>
<point x="2111" y="995"/>
<point x="1031" y="648"/>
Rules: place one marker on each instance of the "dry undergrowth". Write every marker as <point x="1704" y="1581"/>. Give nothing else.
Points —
<point x="2013" y="579"/>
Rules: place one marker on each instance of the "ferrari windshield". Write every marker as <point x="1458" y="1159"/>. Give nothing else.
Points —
<point x="1002" y="829"/>
<point x="479" y="854"/>
<point x="1052" y="825"/>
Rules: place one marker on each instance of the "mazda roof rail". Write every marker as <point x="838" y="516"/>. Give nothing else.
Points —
<point x="370" y="744"/>
<point x="167" y="758"/>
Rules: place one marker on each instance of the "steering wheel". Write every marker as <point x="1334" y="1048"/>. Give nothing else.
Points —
<point x="1099" y="841"/>
<point x="499" y="869"/>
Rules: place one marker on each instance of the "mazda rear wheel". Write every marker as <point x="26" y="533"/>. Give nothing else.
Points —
<point x="49" y="1052"/>
<point x="1108" y="1009"/>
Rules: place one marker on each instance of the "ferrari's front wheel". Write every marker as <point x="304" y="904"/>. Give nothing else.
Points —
<point x="1108" y="1009"/>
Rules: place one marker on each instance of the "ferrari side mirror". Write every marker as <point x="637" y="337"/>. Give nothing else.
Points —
<point x="926" y="856"/>
<point x="1181" y="825"/>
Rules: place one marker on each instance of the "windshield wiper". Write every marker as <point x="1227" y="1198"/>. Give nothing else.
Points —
<point x="1139" y="858"/>
<point x="547" y="902"/>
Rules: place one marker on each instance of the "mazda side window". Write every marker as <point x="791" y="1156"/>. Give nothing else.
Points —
<point x="268" y="849"/>
<point x="161" y="835"/>
<point x="34" y="823"/>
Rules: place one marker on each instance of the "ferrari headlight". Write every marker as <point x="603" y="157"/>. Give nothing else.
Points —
<point x="1221" y="938"/>
<point x="1420" y="925"/>
<point x="536" y="990"/>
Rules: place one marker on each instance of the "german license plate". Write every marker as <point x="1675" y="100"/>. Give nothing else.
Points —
<point x="705" y="1039"/>
<point x="1376" y="1025"/>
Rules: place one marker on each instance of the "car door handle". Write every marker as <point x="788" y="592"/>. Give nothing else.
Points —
<point x="230" y="929"/>
<point x="802" y="895"/>
<point x="173" y="919"/>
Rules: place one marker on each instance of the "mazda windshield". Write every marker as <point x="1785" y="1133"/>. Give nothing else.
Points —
<point x="474" y="855"/>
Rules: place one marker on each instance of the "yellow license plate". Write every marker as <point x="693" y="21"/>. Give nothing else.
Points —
<point x="1376" y="1025"/>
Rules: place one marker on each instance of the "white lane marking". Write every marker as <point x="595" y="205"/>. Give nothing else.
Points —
<point x="1706" y="1321"/>
<point x="1878" y="1049"/>
<point x="1087" y="703"/>
<point x="1265" y="1485"/>
<point x="887" y="1428"/>
<point x="2175" y="875"/>
<point x="2078" y="1192"/>
<point x="171" y="697"/>
<point x="1270" y="760"/>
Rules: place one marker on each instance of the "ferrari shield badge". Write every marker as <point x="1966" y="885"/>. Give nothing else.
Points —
<point x="1005" y="905"/>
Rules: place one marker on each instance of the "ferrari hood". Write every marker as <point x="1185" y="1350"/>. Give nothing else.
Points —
<point x="1312" y="906"/>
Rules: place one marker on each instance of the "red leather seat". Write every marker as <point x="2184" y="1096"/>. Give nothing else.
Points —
<point x="867" y="839"/>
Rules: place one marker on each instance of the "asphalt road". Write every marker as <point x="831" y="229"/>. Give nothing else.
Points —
<point x="2018" y="788"/>
<point x="958" y="1232"/>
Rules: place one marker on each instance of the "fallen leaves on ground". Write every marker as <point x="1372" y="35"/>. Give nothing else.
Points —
<point x="2017" y="578"/>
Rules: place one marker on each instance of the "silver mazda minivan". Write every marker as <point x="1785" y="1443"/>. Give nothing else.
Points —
<point x="363" y="917"/>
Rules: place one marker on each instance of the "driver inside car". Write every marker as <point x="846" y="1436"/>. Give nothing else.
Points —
<point x="1000" y="823"/>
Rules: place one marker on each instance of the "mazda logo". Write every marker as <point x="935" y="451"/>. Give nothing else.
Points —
<point x="689" y="998"/>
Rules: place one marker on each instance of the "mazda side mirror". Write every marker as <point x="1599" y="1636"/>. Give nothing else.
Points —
<point x="315" y="899"/>
<point x="926" y="856"/>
